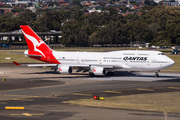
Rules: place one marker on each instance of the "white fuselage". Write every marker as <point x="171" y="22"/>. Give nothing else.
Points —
<point x="129" y="60"/>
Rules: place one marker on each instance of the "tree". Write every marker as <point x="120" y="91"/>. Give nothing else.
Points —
<point x="147" y="2"/>
<point x="74" y="34"/>
<point x="113" y="10"/>
<point x="160" y="3"/>
<point x="150" y="3"/>
<point x="76" y="2"/>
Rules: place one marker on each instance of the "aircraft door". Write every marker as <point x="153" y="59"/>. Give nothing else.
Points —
<point x="100" y="60"/>
<point x="148" y="62"/>
<point x="78" y="60"/>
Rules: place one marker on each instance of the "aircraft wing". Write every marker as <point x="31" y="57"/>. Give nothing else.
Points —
<point x="114" y="66"/>
<point x="96" y="65"/>
<point x="86" y="68"/>
<point x="76" y="65"/>
<point x="49" y="65"/>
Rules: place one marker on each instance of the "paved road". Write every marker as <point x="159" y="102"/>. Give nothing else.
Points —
<point x="41" y="92"/>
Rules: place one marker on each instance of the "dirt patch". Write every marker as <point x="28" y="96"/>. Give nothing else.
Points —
<point x="159" y="102"/>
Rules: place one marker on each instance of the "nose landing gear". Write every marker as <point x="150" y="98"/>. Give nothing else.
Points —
<point x="156" y="74"/>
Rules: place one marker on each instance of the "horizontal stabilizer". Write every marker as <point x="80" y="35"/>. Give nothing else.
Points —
<point x="16" y="63"/>
<point x="35" y="65"/>
<point x="33" y="55"/>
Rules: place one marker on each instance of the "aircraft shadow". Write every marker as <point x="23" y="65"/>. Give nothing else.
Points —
<point x="160" y="76"/>
<point x="120" y="74"/>
<point x="169" y="80"/>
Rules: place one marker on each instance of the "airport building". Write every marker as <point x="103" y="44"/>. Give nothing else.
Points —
<point x="170" y="3"/>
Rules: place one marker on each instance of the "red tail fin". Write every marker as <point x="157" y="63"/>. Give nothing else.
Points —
<point x="37" y="47"/>
<point x="34" y="42"/>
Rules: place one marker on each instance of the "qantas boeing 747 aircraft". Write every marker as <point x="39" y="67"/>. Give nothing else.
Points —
<point x="96" y="63"/>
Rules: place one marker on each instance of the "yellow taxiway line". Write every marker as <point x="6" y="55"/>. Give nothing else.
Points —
<point x="22" y="99"/>
<point x="82" y="94"/>
<point x="174" y="87"/>
<point x="145" y="89"/>
<point x="112" y="91"/>
<point x="14" y="108"/>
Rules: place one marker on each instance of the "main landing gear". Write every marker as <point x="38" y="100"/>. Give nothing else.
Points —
<point x="156" y="74"/>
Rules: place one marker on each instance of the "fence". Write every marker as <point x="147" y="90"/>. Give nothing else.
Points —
<point x="58" y="46"/>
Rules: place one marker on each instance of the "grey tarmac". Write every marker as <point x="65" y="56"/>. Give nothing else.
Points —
<point x="42" y="91"/>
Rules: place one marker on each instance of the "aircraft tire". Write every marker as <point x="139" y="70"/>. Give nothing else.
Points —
<point x="110" y="74"/>
<point x="156" y="75"/>
<point x="91" y="74"/>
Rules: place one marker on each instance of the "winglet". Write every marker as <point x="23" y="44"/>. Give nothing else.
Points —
<point x="16" y="63"/>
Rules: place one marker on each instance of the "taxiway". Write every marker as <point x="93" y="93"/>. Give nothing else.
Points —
<point x="42" y="92"/>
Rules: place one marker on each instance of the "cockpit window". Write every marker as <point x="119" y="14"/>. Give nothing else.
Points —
<point x="160" y="53"/>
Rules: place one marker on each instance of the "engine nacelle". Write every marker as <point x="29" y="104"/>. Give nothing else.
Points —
<point x="65" y="69"/>
<point x="98" y="71"/>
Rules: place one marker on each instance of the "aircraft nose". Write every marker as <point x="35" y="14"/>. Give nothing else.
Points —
<point x="169" y="63"/>
<point x="172" y="62"/>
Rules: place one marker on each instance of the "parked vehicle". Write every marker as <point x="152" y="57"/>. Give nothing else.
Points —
<point x="175" y="51"/>
<point x="6" y="45"/>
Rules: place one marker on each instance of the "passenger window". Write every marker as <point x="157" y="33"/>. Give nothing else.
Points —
<point x="160" y="53"/>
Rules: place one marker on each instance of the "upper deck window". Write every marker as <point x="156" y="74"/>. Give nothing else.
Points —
<point x="143" y="54"/>
<point x="160" y="53"/>
<point x="128" y="54"/>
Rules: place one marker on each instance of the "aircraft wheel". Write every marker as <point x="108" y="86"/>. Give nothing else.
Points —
<point x="91" y="74"/>
<point x="156" y="75"/>
<point x="110" y="74"/>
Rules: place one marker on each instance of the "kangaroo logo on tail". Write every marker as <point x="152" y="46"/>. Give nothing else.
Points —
<point x="35" y="42"/>
<point x="37" y="47"/>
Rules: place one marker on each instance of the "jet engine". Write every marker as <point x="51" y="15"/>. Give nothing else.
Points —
<point x="98" y="71"/>
<point x="65" y="69"/>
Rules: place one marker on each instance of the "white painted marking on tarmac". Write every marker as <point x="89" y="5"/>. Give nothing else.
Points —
<point x="7" y="58"/>
<point x="27" y="114"/>
<point x="4" y="72"/>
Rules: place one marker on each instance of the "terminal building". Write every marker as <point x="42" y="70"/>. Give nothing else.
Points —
<point x="170" y="3"/>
